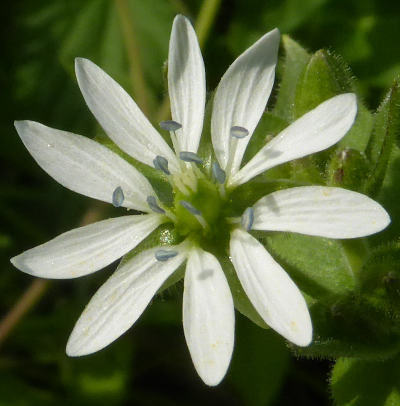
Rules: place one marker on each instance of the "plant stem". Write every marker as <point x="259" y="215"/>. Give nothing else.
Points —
<point x="34" y="292"/>
<point x="37" y="288"/>
<point x="139" y="86"/>
<point x="205" y="20"/>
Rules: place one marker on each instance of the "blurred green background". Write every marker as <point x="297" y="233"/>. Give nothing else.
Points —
<point x="149" y="365"/>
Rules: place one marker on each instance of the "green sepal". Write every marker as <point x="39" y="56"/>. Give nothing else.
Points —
<point x="358" y="136"/>
<point x="379" y="148"/>
<point x="357" y="382"/>
<point x="290" y="69"/>
<point x="347" y="168"/>
<point x="323" y="77"/>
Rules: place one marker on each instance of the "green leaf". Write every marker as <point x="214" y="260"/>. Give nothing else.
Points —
<point x="326" y="271"/>
<point x="380" y="281"/>
<point x="321" y="267"/>
<point x="362" y="383"/>
<point x="348" y="327"/>
<point x="96" y="33"/>
<point x="386" y="129"/>
<point x="389" y="196"/>
<point x="289" y="70"/>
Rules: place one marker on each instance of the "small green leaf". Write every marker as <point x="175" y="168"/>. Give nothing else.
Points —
<point x="362" y="383"/>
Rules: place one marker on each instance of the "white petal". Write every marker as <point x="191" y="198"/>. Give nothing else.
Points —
<point x="120" y="301"/>
<point x="315" y="131"/>
<point x="83" y="165"/>
<point x="186" y="83"/>
<point x="119" y="115"/>
<point x="321" y="211"/>
<point x="241" y="98"/>
<point x="270" y="289"/>
<point x="208" y="316"/>
<point x="87" y="249"/>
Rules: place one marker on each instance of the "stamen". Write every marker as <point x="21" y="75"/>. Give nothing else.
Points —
<point x="165" y="255"/>
<point x="188" y="156"/>
<point x="247" y="219"/>
<point x="170" y="125"/>
<point x="188" y="206"/>
<point x="118" y="197"/>
<point x="152" y="202"/>
<point x="218" y="173"/>
<point x="239" y="132"/>
<point x="161" y="164"/>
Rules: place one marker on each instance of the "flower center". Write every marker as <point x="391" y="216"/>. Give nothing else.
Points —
<point x="201" y="208"/>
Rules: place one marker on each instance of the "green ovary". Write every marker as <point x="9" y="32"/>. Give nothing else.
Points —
<point x="213" y="208"/>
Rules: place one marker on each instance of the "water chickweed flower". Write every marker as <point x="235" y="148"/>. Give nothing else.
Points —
<point x="201" y="209"/>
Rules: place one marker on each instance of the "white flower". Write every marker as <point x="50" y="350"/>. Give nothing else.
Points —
<point x="89" y="168"/>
